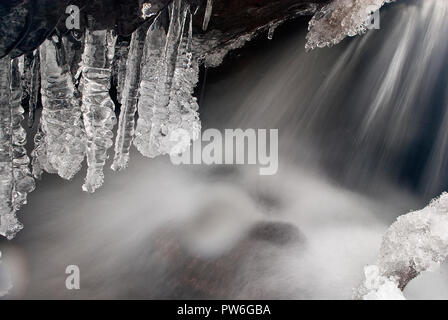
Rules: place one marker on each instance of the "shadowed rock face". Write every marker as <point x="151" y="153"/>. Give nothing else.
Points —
<point x="24" y="24"/>
<point x="236" y="16"/>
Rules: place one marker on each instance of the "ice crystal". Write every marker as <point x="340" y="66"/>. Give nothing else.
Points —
<point x="60" y="141"/>
<point x="340" y="19"/>
<point x="97" y="106"/>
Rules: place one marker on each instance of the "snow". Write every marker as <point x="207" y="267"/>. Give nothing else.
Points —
<point x="415" y="243"/>
<point x="339" y="19"/>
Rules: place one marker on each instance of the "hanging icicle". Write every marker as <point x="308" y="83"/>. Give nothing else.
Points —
<point x="119" y="66"/>
<point x="15" y="177"/>
<point x="25" y="64"/>
<point x="272" y="27"/>
<point x="9" y="224"/>
<point x="23" y="180"/>
<point x="152" y="59"/>
<point x="129" y="98"/>
<point x="97" y="106"/>
<point x="183" y="116"/>
<point x="35" y="87"/>
<point x="60" y="141"/>
<point x="167" y="107"/>
<point x="207" y="15"/>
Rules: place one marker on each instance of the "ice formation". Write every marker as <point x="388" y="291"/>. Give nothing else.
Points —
<point x="272" y="27"/>
<point x="97" y="106"/>
<point x="22" y="179"/>
<point x="169" y="75"/>
<point x="416" y="242"/>
<point x="129" y="100"/>
<point x="25" y="63"/>
<point x="119" y="66"/>
<point x="207" y="15"/>
<point x="339" y="19"/>
<point x="60" y="141"/>
<point x="15" y="176"/>
<point x="35" y="86"/>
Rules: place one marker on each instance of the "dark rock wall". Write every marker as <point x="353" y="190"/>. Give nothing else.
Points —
<point x="24" y="24"/>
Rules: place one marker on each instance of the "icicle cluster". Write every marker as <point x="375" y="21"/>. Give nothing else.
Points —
<point x="169" y="75"/>
<point x="129" y="98"/>
<point x="340" y="19"/>
<point x="416" y="242"/>
<point x="15" y="177"/>
<point x="156" y="77"/>
<point x="60" y="141"/>
<point x="97" y="106"/>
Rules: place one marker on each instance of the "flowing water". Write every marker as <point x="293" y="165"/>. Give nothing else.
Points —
<point x="362" y="139"/>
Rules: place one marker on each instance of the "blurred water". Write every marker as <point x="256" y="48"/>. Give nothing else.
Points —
<point x="360" y="125"/>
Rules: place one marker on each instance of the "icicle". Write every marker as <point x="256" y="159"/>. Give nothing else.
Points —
<point x="26" y="77"/>
<point x="150" y="75"/>
<point x="9" y="225"/>
<point x="15" y="176"/>
<point x="119" y="66"/>
<point x="166" y="106"/>
<point x="271" y="31"/>
<point x="207" y="15"/>
<point x="73" y="51"/>
<point x="35" y="87"/>
<point x="60" y="141"/>
<point x="183" y="106"/>
<point x="97" y="106"/>
<point x="129" y="100"/>
<point x="23" y="180"/>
